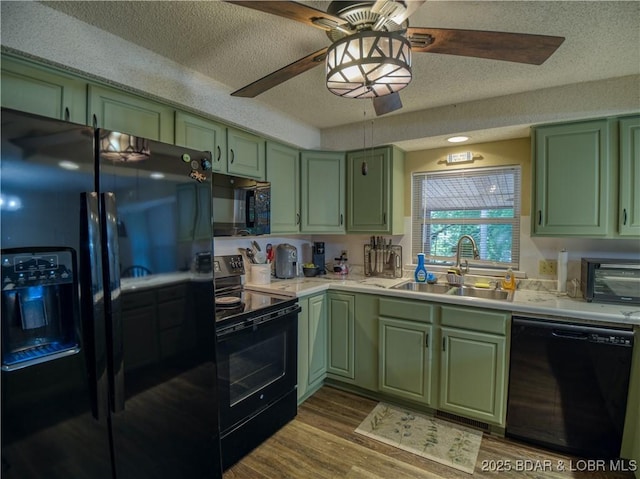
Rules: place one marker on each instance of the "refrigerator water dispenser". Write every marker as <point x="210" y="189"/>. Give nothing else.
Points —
<point x="39" y="306"/>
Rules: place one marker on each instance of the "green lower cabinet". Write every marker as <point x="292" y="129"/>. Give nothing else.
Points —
<point x="366" y="342"/>
<point x="474" y="363"/>
<point x="405" y="357"/>
<point x="341" y="331"/>
<point x="406" y="365"/>
<point x="312" y="345"/>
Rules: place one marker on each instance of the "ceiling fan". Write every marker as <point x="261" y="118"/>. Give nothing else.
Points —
<point x="372" y="42"/>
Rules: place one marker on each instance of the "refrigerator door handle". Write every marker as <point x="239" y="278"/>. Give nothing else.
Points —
<point x="92" y="303"/>
<point x="111" y="268"/>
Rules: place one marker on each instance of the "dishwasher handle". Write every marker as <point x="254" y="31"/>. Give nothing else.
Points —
<point x="568" y="334"/>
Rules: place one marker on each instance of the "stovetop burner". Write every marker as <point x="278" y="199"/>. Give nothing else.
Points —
<point x="234" y="302"/>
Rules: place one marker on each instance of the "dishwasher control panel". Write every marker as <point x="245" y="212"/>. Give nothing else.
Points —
<point x="609" y="339"/>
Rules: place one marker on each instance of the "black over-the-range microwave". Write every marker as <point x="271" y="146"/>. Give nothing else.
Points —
<point x="241" y="206"/>
<point x="611" y="280"/>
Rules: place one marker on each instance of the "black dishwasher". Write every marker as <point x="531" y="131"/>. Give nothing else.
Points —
<point x="568" y="385"/>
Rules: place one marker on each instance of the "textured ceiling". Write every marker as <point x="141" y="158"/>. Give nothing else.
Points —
<point x="235" y="46"/>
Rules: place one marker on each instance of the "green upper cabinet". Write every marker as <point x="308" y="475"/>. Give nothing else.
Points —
<point x="341" y="331"/>
<point x="323" y="192"/>
<point x="375" y="189"/>
<point x="629" y="208"/>
<point x="127" y="113"/>
<point x="283" y="172"/>
<point x="474" y="363"/>
<point x="245" y="154"/>
<point x="204" y="135"/>
<point x="574" y="179"/>
<point x="42" y="91"/>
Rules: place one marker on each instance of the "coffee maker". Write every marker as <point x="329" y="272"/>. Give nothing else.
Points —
<point x="286" y="261"/>
<point x="318" y="256"/>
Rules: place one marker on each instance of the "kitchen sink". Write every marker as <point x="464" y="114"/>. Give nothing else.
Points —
<point x="469" y="291"/>
<point x="484" y="293"/>
<point x="423" y="287"/>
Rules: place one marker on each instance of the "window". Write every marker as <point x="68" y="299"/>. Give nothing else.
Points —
<point x="483" y="203"/>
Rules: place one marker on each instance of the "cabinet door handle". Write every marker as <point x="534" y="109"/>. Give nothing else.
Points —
<point x="219" y="153"/>
<point x="444" y="343"/>
<point x="66" y="113"/>
<point x="624" y="216"/>
<point x="297" y="218"/>
<point x="95" y="121"/>
<point x="384" y="217"/>
<point x="340" y="219"/>
<point x="426" y="341"/>
<point x="233" y="155"/>
<point x="539" y="217"/>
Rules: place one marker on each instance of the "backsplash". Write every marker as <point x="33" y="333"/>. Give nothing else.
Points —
<point x="532" y="250"/>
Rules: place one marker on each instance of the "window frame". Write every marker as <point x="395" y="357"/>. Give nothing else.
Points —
<point x="419" y="219"/>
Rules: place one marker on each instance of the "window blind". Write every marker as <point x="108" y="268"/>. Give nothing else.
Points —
<point x="482" y="202"/>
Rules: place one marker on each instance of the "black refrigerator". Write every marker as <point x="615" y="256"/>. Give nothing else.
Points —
<point x="108" y="327"/>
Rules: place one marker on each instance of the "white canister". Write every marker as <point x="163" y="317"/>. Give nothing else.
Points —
<point x="260" y="273"/>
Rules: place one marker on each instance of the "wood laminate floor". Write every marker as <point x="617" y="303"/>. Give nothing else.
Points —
<point x="321" y="443"/>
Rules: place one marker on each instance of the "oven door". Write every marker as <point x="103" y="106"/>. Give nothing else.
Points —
<point x="257" y="365"/>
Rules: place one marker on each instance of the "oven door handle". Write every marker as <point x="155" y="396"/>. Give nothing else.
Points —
<point x="256" y="322"/>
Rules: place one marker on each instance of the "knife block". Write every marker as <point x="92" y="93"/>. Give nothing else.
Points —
<point x="384" y="262"/>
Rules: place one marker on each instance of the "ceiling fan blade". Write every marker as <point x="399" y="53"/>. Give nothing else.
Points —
<point x="412" y="6"/>
<point x="283" y="74"/>
<point x="294" y="11"/>
<point x="387" y="103"/>
<point x="510" y="47"/>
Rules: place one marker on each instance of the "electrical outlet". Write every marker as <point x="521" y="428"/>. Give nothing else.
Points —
<point x="548" y="267"/>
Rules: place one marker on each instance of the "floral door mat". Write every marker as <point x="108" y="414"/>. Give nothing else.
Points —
<point x="449" y="444"/>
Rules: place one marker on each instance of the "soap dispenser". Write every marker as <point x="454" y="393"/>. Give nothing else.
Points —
<point x="509" y="281"/>
<point x="421" y="270"/>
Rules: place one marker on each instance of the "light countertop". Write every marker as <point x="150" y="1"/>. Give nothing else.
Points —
<point x="540" y="302"/>
<point x="526" y="302"/>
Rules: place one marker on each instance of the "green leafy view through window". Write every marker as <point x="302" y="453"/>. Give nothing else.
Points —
<point x="483" y="203"/>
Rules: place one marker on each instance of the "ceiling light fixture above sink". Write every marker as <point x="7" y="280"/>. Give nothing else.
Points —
<point x="458" y="139"/>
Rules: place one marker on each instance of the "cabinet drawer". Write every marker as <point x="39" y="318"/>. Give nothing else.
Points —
<point x="488" y="321"/>
<point x="401" y="308"/>
<point x="171" y="293"/>
<point x="139" y="299"/>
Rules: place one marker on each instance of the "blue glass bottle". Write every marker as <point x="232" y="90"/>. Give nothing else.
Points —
<point x="421" y="271"/>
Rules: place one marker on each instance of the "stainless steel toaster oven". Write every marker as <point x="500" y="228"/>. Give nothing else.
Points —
<point x="611" y="280"/>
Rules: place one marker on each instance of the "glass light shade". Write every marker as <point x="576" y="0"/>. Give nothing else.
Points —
<point x="122" y="147"/>
<point x="369" y="64"/>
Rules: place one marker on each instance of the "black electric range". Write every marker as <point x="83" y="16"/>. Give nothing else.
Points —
<point x="238" y="306"/>
<point x="257" y="344"/>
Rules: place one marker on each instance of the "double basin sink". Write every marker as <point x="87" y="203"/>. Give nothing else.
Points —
<point x="468" y="291"/>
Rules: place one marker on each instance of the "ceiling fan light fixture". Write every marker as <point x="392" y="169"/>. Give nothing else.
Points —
<point x="117" y="146"/>
<point x="369" y="64"/>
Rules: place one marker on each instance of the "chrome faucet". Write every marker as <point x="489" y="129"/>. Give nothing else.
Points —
<point x="476" y="254"/>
